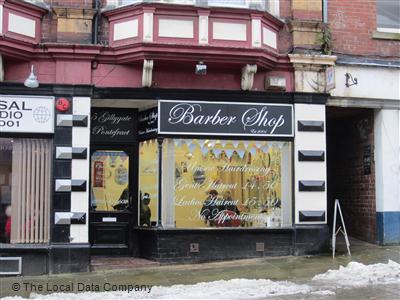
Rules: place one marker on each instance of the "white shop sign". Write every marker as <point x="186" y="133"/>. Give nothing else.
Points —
<point x="28" y="114"/>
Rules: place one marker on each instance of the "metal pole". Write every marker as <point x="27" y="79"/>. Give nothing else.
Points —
<point x="160" y="154"/>
<point x="345" y="232"/>
<point x="334" y="230"/>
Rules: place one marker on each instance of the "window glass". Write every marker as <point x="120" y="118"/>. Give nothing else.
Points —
<point x="226" y="183"/>
<point x="148" y="183"/>
<point x="110" y="181"/>
<point x="228" y="3"/>
<point x="25" y="180"/>
<point x="254" y="4"/>
<point x="388" y="14"/>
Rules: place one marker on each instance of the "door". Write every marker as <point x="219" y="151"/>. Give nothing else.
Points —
<point x="111" y="205"/>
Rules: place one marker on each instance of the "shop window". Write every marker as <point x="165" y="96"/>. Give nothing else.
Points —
<point x="25" y="184"/>
<point x="148" y="183"/>
<point x="109" y="181"/>
<point x="388" y="16"/>
<point x="271" y="6"/>
<point x="226" y="183"/>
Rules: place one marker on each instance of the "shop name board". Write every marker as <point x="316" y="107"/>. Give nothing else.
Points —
<point x="113" y="125"/>
<point x="223" y="118"/>
<point x="26" y="114"/>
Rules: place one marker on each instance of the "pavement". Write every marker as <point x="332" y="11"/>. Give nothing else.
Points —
<point x="299" y="269"/>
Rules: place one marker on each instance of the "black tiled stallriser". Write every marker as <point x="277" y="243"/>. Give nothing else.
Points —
<point x="172" y="246"/>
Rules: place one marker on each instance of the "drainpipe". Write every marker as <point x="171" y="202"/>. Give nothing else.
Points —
<point x="96" y="22"/>
<point x="325" y="11"/>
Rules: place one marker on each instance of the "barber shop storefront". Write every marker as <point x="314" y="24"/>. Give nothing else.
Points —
<point x="189" y="180"/>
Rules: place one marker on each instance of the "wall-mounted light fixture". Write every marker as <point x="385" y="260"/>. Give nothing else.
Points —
<point x="201" y="68"/>
<point x="31" y="81"/>
<point x="350" y="80"/>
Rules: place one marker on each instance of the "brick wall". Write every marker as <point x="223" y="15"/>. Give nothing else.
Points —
<point x="352" y="24"/>
<point x="347" y="137"/>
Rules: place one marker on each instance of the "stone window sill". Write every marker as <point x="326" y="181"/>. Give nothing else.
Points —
<point x="380" y="35"/>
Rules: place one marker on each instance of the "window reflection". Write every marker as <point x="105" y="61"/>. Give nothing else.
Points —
<point x="148" y="183"/>
<point x="227" y="183"/>
<point x="110" y="181"/>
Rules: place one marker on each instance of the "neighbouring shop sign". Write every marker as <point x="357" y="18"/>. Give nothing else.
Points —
<point x="113" y="125"/>
<point x="223" y="118"/>
<point x="148" y="122"/>
<point x="26" y="114"/>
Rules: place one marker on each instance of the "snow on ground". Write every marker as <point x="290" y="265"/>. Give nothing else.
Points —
<point x="221" y="289"/>
<point x="353" y="275"/>
<point x="359" y="275"/>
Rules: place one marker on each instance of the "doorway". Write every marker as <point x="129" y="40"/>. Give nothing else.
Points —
<point x="112" y="186"/>
<point x="351" y="169"/>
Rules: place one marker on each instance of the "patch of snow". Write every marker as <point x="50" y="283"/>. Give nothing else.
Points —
<point x="221" y="289"/>
<point x="359" y="275"/>
<point x="323" y="293"/>
<point x="354" y="275"/>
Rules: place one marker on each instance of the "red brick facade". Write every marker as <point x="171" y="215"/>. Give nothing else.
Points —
<point x="352" y="24"/>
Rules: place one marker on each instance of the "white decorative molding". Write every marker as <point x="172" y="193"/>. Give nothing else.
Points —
<point x="21" y="25"/>
<point x="203" y="30"/>
<point x="147" y="75"/>
<point x="248" y="72"/>
<point x="175" y="28"/>
<point x="1" y="19"/>
<point x="256" y="32"/>
<point x="148" y="27"/>
<point x="126" y="30"/>
<point x="269" y="38"/>
<point x="229" y="31"/>
<point x="309" y="71"/>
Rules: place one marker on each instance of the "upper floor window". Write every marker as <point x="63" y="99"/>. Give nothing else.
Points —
<point x="388" y="15"/>
<point x="272" y="6"/>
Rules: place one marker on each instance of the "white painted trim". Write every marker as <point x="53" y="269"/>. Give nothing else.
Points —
<point x="309" y="170"/>
<point x="387" y="159"/>
<point x="21" y="25"/>
<point x="203" y="30"/>
<point x="126" y="30"/>
<point x="256" y="33"/>
<point x="229" y="31"/>
<point x="1" y="19"/>
<point x="148" y="27"/>
<point x="176" y="28"/>
<point x="389" y="30"/>
<point x="80" y="168"/>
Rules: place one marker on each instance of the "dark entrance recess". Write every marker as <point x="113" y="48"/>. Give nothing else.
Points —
<point x="351" y="169"/>
<point x="113" y="181"/>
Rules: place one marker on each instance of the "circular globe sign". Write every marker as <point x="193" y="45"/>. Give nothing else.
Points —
<point x="41" y="114"/>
